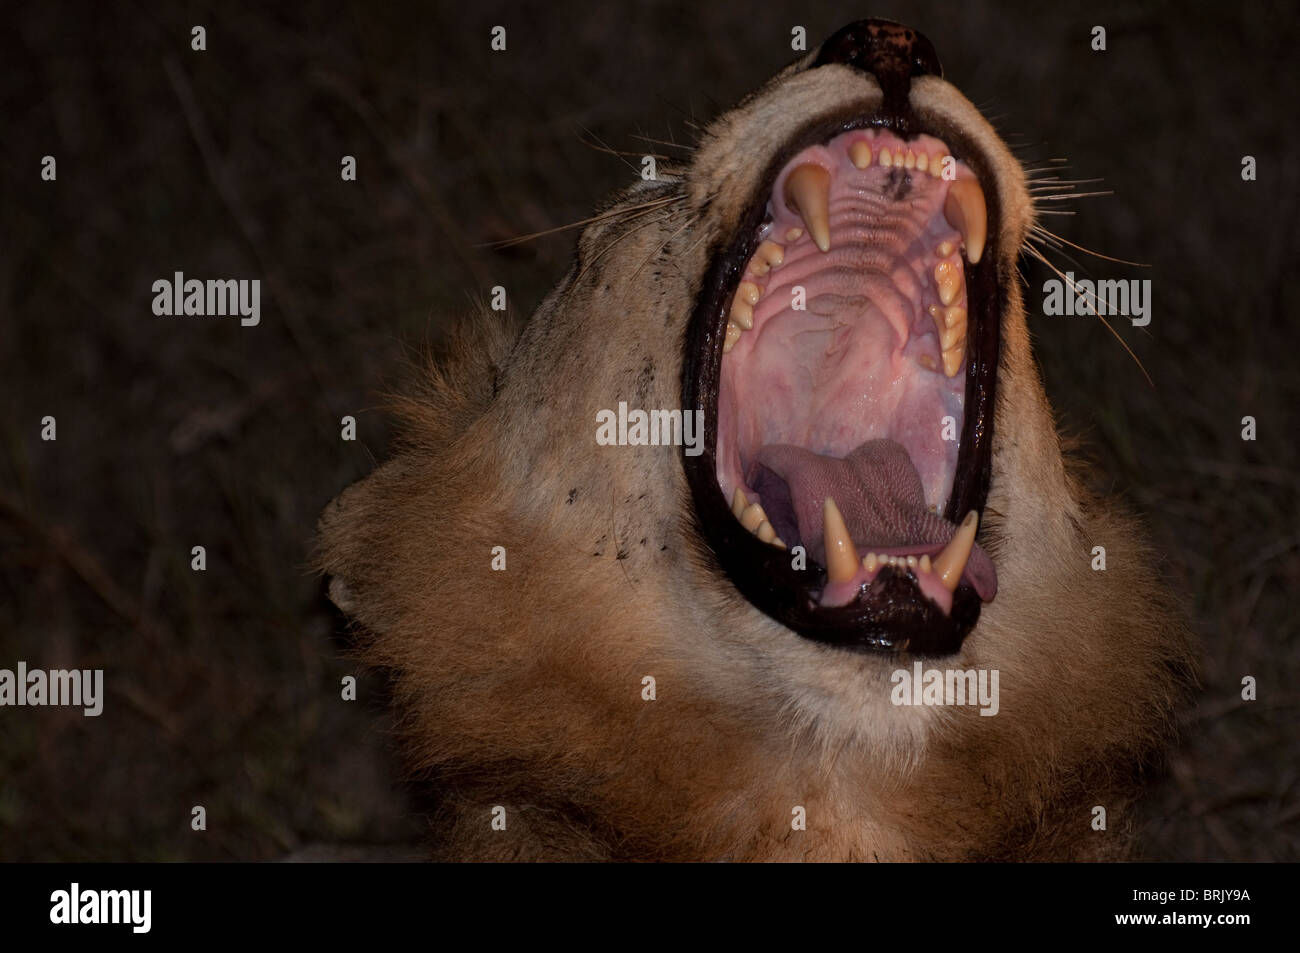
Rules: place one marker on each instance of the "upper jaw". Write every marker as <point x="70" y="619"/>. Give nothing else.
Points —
<point x="894" y="614"/>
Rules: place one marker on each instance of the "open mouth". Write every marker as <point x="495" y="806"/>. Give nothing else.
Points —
<point x="844" y="354"/>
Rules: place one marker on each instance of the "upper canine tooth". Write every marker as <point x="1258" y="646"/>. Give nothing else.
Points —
<point x="965" y="211"/>
<point x="752" y="517"/>
<point x="860" y="154"/>
<point x="950" y="563"/>
<point x="808" y="189"/>
<point x="841" y="557"/>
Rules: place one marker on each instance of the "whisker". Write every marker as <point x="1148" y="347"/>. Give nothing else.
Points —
<point x="612" y="213"/>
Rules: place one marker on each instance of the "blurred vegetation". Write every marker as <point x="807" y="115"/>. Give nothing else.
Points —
<point x="224" y="685"/>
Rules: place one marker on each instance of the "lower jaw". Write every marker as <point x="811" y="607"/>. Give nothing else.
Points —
<point x="891" y="601"/>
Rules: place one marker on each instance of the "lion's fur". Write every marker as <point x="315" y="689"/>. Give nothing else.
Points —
<point x="523" y="688"/>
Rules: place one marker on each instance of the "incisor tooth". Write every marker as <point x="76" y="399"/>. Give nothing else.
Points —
<point x="925" y="563"/>
<point x="742" y="313"/>
<point x="733" y="335"/>
<point x="752" y="517"/>
<point x="841" y="557"/>
<point x="885" y="158"/>
<point x="808" y="189"/>
<point x="870" y="561"/>
<point x="952" y="361"/>
<point x="923" y="161"/>
<point x="738" y="503"/>
<point x="965" y="211"/>
<point x="910" y="161"/>
<point x="948" y="278"/>
<point x="950" y="563"/>
<point x="860" y="154"/>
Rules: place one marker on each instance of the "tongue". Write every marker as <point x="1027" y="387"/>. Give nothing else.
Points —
<point x="876" y="489"/>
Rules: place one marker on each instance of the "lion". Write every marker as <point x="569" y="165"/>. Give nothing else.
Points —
<point x="856" y="614"/>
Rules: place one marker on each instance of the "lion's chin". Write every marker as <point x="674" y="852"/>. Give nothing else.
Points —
<point x="846" y="349"/>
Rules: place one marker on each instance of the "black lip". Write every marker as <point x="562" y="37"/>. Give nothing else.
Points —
<point x="893" y="616"/>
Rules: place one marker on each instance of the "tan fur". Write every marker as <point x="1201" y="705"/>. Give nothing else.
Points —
<point x="523" y="688"/>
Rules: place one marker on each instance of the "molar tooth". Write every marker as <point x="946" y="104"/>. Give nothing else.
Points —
<point x="778" y="542"/>
<point x="765" y="532"/>
<point x="949" y="338"/>
<point x="733" y="335"/>
<point x="841" y="557"/>
<point x="752" y="517"/>
<point x="808" y="189"/>
<point x="952" y="361"/>
<point x="926" y="361"/>
<point x="738" y="503"/>
<point x="860" y="154"/>
<point x="965" y="211"/>
<point x="772" y="253"/>
<point x="954" y="316"/>
<point x="742" y="314"/>
<point x="758" y="267"/>
<point x="948" y="278"/>
<point x="749" y="292"/>
<point x="950" y="563"/>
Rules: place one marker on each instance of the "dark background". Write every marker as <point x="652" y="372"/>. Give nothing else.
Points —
<point x="223" y="686"/>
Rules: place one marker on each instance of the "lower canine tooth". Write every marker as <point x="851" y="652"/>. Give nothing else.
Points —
<point x="752" y="517"/>
<point x="965" y="211"/>
<point x="808" y="189"/>
<point x="841" y="556"/>
<point x="950" y="563"/>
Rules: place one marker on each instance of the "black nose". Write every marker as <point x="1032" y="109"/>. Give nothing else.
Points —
<point x="890" y="52"/>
